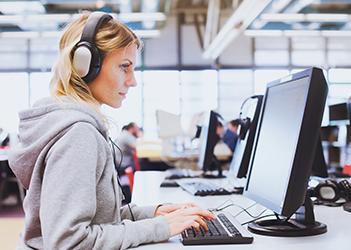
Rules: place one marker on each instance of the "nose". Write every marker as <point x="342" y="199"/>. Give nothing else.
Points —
<point x="131" y="82"/>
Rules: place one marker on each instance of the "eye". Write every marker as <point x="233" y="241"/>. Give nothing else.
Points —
<point x="124" y="67"/>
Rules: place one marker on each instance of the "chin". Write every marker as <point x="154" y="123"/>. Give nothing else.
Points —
<point x="116" y="105"/>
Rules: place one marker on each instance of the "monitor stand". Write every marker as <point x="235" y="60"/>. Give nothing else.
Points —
<point x="303" y="225"/>
<point x="215" y="164"/>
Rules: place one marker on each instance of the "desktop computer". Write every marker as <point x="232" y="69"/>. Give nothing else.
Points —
<point x="208" y="163"/>
<point x="283" y="154"/>
<point x="281" y="162"/>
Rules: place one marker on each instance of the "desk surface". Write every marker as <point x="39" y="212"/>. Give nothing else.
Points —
<point x="153" y="151"/>
<point x="146" y="191"/>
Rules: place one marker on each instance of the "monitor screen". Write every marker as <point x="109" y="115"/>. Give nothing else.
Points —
<point x="208" y="140"/>
<point x="286" y="140"/>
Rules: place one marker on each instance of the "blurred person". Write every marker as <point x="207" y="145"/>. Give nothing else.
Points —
<point x="231" y="136"/>
<point x="126" y="140"/>
<point x="65" y="156"/>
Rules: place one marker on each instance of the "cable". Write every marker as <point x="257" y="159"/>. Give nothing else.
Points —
<point x="247" y="99"/>
<point x="114" y="154"/>
<point x="219" y="208"/>
<point x="117" y="168"/>
<point x="264" y="216"/>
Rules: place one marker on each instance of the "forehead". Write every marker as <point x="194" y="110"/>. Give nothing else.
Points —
<point x="128" y="53"/>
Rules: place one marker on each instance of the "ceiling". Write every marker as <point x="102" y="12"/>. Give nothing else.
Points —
<point x="45" y="18"/>
<point x="309" y="16"/>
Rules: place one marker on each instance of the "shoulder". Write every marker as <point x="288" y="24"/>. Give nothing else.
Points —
<point x="82" y="136"/>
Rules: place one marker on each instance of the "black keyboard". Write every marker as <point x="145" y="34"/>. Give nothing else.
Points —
<point x="221" y="230"/>
<point x="201" y="188"/>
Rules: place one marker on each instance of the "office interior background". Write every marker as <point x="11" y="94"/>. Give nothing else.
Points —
<point x="197" y="55"/>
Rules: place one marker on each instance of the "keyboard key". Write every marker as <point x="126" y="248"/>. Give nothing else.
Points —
<point x="216" y="234"/>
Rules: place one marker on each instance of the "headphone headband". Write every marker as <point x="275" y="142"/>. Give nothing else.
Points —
<point x="94" y="22"/>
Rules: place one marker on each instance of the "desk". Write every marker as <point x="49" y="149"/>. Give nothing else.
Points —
<point x="152" y="150"/>
<point x="147" y="191"/>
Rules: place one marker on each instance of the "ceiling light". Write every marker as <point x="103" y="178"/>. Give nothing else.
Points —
<point x="241" y="18"/>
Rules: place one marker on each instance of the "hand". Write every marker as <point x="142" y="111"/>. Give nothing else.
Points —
<point x="184" y="218"/>
<point x="168" y="208"/>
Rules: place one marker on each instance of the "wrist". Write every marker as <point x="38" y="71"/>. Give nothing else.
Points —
<point x="157" y="210"/>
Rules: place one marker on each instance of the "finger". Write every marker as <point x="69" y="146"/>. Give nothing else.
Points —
<point x="196" y="226"/>
<point x="198" y="211"/>
<point x="201" y="222"/>
<point x="191" y="204"/>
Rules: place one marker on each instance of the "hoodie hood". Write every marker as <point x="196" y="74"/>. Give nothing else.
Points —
<point x="40" y="125"/>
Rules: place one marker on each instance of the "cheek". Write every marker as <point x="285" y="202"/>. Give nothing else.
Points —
<point x="115" y="80"/>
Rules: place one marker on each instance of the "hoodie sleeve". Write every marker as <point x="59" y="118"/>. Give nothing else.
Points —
<point x="139" y="213"/>
<point x="68" y="200"/>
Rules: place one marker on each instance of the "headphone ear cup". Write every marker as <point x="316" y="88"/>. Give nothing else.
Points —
<point x="87" y="61"/>
<point x="81" y="60"/>
<point x="327" y="191"/>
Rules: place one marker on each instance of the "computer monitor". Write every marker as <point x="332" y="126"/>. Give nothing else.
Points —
<point x="249" y="115"/>
<point x="339" y="112"/>
<point x="283" y="154"/>
<point x="330" y="133"/>
<point x="349" y="109"/>
<point x="208" y="140"/>
<point x="168" y="124"/>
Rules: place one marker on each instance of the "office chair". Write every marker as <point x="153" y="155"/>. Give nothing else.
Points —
<point x="7" y="177"/>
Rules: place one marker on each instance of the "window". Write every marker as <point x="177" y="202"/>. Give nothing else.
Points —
<point x="234" y="87"/>
<point x="263" y="77"/>
<point x="39" y="86"/>
<point x="308" y="57"/>
<point x="271" y="57"/>
<point x="13" y="97"/>
<point x="199" y="91"/>
<point x="160" y="91"/>
<point x="340" y="76"/>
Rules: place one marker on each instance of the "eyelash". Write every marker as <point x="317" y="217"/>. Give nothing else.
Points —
<point x="124" y="67"/>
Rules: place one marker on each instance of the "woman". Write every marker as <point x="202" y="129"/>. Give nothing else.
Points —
<point x="65" y="160"/>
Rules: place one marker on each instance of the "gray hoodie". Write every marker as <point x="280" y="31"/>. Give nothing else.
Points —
<point x="73" y="200"/>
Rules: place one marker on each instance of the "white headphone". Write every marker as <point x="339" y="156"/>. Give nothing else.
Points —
<point x="87" y="58"/>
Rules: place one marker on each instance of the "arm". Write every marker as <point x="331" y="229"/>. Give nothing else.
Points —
<point x="68" y="200"/>
<point x="139" y="213"/>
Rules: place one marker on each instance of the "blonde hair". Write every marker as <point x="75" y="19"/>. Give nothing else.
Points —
<point x="111" y="36"/>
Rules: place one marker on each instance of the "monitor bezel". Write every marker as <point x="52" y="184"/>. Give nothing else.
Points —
<point x="308" y="137"/>
<point x="241" y="157"/>
<point x="211" y="139"/>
